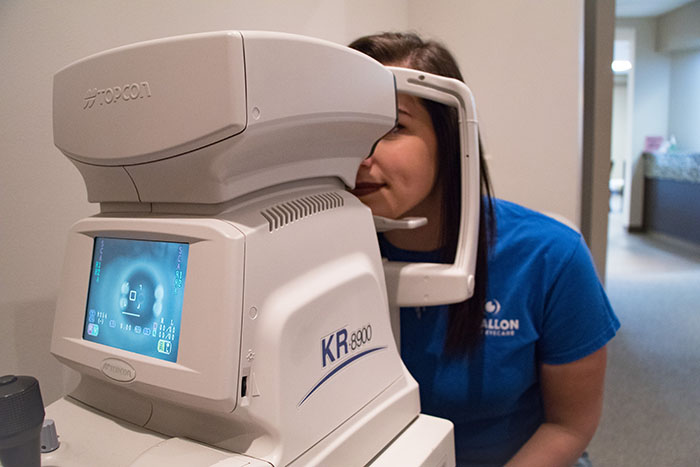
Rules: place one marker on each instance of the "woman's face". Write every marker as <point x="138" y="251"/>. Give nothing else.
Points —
<point x="398" y="180"/>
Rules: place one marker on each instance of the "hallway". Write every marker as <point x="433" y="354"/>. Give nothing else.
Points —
<point x="652" y="407"/>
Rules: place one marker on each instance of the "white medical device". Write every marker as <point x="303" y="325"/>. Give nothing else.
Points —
<point x="228" y="306"/>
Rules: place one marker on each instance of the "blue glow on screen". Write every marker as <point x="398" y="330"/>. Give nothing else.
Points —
<point x="136" y="295"/>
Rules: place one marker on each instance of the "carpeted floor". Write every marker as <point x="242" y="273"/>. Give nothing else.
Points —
<point x="652" y="407"/>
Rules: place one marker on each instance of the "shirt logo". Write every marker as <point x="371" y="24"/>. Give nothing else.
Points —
<point x="492" y="307"/>
<point x="493" y="326"/>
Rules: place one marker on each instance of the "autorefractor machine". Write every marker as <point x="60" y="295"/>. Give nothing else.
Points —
<point x="228" y="306"/>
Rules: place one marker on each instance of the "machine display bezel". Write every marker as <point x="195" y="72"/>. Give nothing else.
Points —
<point x="206" y="372"/>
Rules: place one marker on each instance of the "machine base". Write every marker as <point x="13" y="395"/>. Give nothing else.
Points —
<point x="89" y="437"/>
<point x="427" y="442"/>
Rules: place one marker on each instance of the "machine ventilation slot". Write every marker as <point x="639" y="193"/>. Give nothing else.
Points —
<point x="285" y="213"/>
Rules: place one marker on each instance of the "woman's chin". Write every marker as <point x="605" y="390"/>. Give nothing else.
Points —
<point x="381" y="211"/>
<point x="377" y="204"/>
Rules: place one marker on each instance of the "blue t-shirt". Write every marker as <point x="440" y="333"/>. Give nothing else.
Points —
<point x="545" y="305"/>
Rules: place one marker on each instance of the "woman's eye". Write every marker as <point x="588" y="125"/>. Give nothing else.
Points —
<point x="398" y="130"/>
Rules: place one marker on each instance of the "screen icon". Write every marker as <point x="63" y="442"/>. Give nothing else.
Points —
<point x="165" y="346"/>
<point x="93" y="329"/>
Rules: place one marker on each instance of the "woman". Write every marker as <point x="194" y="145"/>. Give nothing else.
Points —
<point x="519" y="367"/>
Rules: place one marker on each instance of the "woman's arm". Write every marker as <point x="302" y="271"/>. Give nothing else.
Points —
<point x="572" y="394"/>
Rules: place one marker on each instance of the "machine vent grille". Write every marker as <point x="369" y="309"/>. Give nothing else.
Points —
<point x="285" y="213"/>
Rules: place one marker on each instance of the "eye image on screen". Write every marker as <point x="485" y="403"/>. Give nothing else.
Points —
<point x="136" y="295"/>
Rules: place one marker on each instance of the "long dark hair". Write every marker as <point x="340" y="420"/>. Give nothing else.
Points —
<point x="411" y="51"/>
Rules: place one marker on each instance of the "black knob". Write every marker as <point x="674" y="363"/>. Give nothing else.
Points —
<point x="21" y="417"/>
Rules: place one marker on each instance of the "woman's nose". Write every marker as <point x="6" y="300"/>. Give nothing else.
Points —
<point x="367" y="161"/>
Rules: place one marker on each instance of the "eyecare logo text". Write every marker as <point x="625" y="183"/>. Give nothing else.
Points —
<point x="107" y="96"/>
<point x="492" y="325"/>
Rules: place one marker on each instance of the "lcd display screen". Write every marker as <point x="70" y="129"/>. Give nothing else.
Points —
<point x="136" y="294"/>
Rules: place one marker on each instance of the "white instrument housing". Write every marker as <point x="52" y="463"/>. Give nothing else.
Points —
<point x="210" y="117"/>
<point x="278" y="348"/>
<point x="427" y="284"/>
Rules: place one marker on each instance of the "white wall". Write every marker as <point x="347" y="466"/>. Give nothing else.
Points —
<point x="665" y="91"/>
<point x="619" y="146"/>
<point x="524" y="62"/>
<point x="684" y="100"/>
<point x="679" y="29"/>
<point x="649" y="80"/>
<point x="679" y="36"/>
<point x="42" y="193"/>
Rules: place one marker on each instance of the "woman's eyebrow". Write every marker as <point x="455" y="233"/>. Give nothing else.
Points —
<point x="402" y="110"/>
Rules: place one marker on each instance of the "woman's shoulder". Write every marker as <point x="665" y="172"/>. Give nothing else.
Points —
<point x="511" y="214"/>
<point x="531" y="232"/>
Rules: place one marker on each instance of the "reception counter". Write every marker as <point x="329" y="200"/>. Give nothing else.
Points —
<point x="672" y="195"/>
